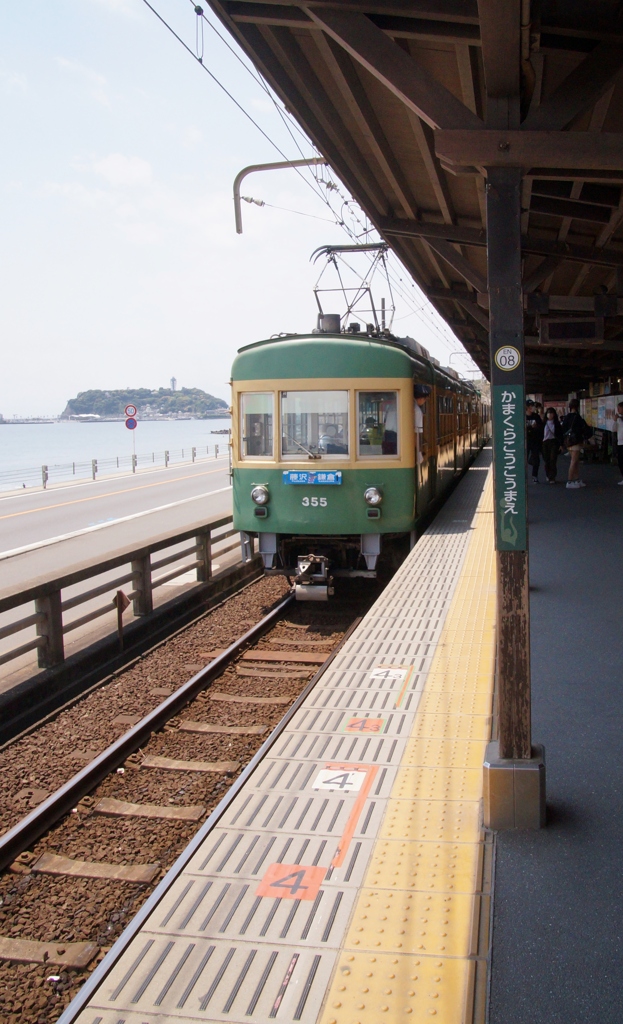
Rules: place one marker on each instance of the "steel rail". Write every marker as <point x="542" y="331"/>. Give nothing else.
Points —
<point x="30" y="828"/>
<point x="92" y="983"/>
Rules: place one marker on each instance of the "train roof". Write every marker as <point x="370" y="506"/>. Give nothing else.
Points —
<point x="297" y="356"/>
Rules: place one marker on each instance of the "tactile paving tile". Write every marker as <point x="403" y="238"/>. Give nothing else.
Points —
<point x="429" y="783"/>
<point x="445" y="753"/>
<point x="466" y="727"/>
<point x="444" y="703"/>
<point x="429" y="867"/>
<point x="404" y="922"/>
<point x="431" y="820"/>
<point x="377" y="987"/>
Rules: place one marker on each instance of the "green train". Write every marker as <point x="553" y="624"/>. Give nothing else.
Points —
<point x="342" y="445"/>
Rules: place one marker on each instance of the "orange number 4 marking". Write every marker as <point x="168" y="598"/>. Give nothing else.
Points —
<point x="291" y="882"/>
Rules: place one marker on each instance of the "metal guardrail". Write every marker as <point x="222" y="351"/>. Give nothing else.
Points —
<point x="40" y="476"/>
<point x="49" y="618"/>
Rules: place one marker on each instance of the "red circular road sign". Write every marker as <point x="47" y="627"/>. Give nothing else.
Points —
<point x="131" y="410"/>
<point x="131" y="423"/>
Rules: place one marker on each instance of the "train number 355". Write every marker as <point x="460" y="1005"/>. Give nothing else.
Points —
<point x="314" y="502"/>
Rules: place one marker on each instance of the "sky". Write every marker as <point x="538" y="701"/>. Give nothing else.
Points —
<point x="119" y="261"/>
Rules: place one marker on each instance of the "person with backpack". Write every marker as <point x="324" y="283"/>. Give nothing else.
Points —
<point x="534" y="438"/>
<point x="575" y="430"/>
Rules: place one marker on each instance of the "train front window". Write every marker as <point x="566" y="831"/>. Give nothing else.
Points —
<point x="314" y="423"/>
<point x="377" y="431"/>
<point x="256" y="416"/>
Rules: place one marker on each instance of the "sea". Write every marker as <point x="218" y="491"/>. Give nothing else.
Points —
<point x="69" y="447"/>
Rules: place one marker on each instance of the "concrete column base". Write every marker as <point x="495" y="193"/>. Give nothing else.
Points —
<point x="514" y="791"/>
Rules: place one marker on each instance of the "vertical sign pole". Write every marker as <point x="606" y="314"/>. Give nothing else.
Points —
<point x="503" y="192"/>
<point x="514" y="770"/>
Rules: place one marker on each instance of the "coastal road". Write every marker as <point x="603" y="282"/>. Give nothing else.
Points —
<point x="66" y="524"/>
<point x="45" y="534"/>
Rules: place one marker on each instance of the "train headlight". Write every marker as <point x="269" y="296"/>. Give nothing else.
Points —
<point x="372" y="496"/>
<point x="260" y="495"/>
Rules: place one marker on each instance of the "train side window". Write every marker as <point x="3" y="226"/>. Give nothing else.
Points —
<point x="256" y="417"/>
<point x="377" y="424"/>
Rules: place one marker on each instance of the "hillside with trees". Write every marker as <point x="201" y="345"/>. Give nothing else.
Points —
<point x="150" y="404"/>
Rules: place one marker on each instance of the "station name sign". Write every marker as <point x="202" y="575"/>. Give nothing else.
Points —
<point x="509" y="428"/>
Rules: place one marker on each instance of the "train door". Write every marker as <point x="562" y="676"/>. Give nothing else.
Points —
<point x="425" y="452"/>
<point x="456" y="406"/>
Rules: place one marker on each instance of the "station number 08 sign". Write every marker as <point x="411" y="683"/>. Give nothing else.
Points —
<point x="507" y="358"/>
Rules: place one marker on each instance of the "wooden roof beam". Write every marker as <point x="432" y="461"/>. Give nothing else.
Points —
<point x="458" y="263"/>
<point x="596" y="256"/>
<point x="549" y="265"/>
<point x="500" y="24"/>
<point x="265" y="58"/>
<point x="397" y="26"/>
<point x="579" y="91"/>
<point x="359" y="105"/>
<point x="436" y="175"/>
<point x="463" y="12"/>
<point x="404" y="76"/>
<point x="291" y="60"/>
<point x="530" y="149"/>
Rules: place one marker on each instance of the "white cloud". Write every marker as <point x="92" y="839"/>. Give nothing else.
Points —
<point x="97" y="84"/>
<point x="141" y="234"/>
<point x="123" y="7"/>
<point x="124" y="171"/>
<point x="192" y="136"/>
<point x="265" y="106"/>
<point x="12" y="81"/>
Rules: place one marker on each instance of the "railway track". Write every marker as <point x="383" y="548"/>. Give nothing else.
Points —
<point x="85" y="859"/>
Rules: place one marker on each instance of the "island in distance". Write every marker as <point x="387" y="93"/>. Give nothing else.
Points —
<point x="165" y="403"/>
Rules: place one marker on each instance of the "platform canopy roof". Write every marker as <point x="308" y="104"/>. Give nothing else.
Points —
<point x="411" y="101"/>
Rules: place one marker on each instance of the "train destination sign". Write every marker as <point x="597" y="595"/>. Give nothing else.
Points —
<point x="305" y="476"/>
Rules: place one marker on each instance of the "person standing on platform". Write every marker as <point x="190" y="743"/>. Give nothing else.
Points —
<point x="534" y="438"/>
<point x="574" y="431"/>
<point x="618" y="438"/>
<point x="552" y="440"/>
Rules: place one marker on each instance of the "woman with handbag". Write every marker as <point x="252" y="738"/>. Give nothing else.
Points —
<point x="552" y="440"/>
<point x="574" y="431"/>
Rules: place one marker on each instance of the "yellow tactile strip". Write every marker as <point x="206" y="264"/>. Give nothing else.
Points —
<point x="410" y="940"/>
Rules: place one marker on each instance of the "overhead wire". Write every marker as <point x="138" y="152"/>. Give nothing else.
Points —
<point x="316" y="175"/>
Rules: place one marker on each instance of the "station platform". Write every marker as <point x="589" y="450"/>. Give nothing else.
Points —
<point x="557" y="911"/>
<point x="347" y="879"/>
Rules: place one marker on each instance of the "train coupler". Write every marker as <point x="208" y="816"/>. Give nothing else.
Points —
<point x="312" y="581"/>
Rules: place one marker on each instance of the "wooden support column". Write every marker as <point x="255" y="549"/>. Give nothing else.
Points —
<point x="514" y="770"/>
<point x="503" y="197"/>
